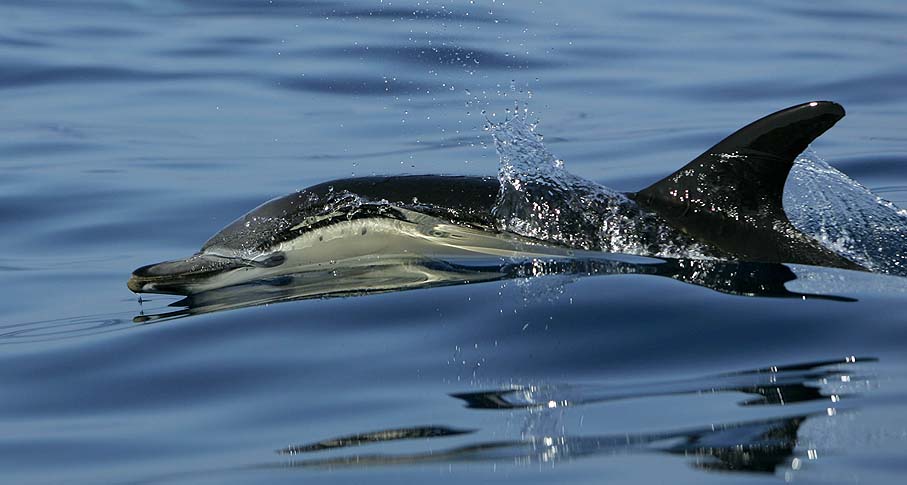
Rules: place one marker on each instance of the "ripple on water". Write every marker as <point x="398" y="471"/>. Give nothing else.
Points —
<point x="33" y="75"/>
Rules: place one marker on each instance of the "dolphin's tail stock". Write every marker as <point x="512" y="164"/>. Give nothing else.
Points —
<point x="741" y="180"/>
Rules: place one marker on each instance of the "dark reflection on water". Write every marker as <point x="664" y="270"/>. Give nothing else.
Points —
<point x="875" y="165"/>
<point x="437" y="56"/>
<point x="732" y="277"/>
<point x="881" y="85"/>
<point x="766" y="280"/>
<point x="375" y="437"/>
<point x="14" y="76"/>
<point x="323" y="9"/>
<point x="757" y="446"/>
<point x="362" y="85"/>
<point x="777" y="385"/>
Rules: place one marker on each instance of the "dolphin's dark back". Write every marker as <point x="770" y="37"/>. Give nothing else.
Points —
<point x="464" y="199"/>
<point x="468" y="199"/>
<point x="731" y="196"/>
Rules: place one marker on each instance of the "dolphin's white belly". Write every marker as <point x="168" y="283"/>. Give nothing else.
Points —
<point x="418" y="236"/>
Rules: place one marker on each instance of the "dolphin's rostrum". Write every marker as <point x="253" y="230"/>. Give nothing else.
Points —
<point x="727" y="201"/>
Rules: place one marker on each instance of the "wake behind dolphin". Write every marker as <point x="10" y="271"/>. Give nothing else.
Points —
<point x="725" y="205"/>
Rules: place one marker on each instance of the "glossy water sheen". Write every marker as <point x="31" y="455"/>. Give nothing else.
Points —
<point x="134" y="130"/>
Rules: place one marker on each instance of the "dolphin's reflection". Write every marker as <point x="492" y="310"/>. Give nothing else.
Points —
<point x="755" y="446"/>
<point x="769" y="386"/>
<point x="377" y="276"/>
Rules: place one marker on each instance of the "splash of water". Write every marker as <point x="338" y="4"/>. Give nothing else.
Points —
<point x="540" y="199"/>
<point x="845" y="216"/>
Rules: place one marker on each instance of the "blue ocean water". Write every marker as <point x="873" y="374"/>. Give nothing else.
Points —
<point x="134" y="130"/>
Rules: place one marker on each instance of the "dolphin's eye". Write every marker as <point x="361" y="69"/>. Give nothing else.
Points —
<point x="274" y="259"/>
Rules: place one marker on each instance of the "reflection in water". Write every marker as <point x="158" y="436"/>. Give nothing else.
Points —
<point x="363" y="276"/>
<point x="381" y="276"/>
<point x="769" y="386"/>
<point x="375" y="437"/>
<point x="755" y="446"/>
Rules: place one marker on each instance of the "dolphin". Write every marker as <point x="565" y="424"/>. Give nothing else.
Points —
<point x="728" y="200"/>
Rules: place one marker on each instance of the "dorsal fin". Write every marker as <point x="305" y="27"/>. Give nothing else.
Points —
<point x="744" y="174"/>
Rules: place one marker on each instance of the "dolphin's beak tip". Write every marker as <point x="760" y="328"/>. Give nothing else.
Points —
<point x="135" y="284"/>
<point x="172" y="277"/>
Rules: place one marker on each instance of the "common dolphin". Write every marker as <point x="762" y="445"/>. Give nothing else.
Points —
<point x="727" y="200"/>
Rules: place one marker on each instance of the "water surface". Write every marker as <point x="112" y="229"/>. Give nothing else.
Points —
<point x="132" y="131"/>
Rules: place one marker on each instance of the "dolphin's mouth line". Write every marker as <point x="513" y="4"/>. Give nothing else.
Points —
<point x="199" y="266"/>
